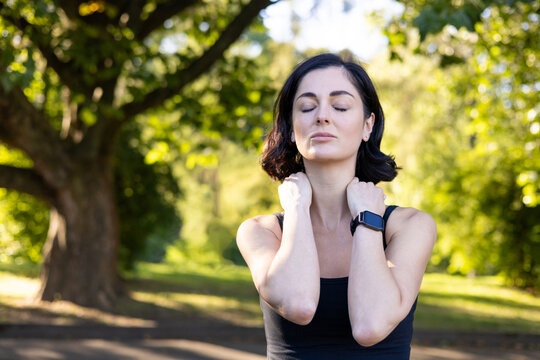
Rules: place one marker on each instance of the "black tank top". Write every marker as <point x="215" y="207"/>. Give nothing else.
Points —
<point x="329" y="335"/>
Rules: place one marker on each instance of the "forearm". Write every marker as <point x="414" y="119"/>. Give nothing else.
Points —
<point x="375" y="300"/>
<point x="293" y="281"/>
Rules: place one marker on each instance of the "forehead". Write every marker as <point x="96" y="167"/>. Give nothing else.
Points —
<point x="324" y="81"/>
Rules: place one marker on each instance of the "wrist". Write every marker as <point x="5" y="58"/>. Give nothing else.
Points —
<point x="367" y="219"/>
<point x="371" y="209"/>
<point x="363" y="232"/>
<point x="297" y="209"/>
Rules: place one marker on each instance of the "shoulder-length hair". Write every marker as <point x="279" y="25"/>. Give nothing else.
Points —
<point x="280" y="156"/>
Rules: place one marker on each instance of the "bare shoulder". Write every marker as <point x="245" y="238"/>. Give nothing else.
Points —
<point x="259" y="225"/>
<point x="411" y="221"/>
<point x="258" y="233"/>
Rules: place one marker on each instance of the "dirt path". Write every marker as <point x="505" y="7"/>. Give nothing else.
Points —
<point x="99" y="349"/>
<point x="218" y="341"/>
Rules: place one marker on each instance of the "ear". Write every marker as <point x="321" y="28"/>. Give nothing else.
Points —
<point x="368" y="127"/>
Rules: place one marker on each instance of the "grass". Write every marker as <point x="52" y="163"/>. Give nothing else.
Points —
<point x="481" y="303"/>
<point x="222" y="292"/>
<point x="163" y="294"/>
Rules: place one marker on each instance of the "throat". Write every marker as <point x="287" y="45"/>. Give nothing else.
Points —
<point x="331" y="228"/>
<point x="331" y="218"/>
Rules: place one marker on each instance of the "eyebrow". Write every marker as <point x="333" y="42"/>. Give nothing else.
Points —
<point x="333" y="93"/>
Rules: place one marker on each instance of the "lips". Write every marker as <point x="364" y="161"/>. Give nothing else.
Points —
<point x="322" y="136"/>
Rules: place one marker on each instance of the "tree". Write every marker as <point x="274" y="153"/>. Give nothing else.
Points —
<point x="73" y="74"/>
<point x="146" y="195"/>
<point x="480" y="162"/>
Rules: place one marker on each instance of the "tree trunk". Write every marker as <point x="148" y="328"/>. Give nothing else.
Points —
<point x="80" y="253"/>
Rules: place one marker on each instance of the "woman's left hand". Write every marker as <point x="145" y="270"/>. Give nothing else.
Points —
<point x="363" y="196"/>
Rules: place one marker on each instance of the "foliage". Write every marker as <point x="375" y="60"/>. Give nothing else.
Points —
<point x="24" y="219"/>
<point x="218" y="197"/>
<point x="146" y="195"/>
<point x="479" y="164"/>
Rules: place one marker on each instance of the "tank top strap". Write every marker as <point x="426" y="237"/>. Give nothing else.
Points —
<point x="386" y="215"/>
<point x="279" y="216"/>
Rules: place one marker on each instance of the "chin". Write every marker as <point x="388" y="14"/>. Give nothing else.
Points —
<point x="327" y="154"/>
<point x="331" y="157"/>
<point x="326" y="158"/>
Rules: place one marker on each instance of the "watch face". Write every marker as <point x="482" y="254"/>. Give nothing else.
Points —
<point x="373" y="220"/>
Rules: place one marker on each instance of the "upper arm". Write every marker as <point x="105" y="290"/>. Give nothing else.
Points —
<point x="412" y="235"/>
<point x="258" y="240"/>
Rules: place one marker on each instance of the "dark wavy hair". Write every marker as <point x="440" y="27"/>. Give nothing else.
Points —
<point x="280" y="157"/>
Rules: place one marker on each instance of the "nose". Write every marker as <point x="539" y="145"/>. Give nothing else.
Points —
<point x="323" y="115"/>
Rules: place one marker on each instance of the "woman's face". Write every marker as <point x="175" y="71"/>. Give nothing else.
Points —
<point x="328" y="116"/>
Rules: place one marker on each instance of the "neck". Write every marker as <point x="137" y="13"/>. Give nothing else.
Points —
<point x="329" y="207"/>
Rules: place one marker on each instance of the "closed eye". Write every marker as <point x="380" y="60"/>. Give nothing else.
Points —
<point x="335" y="107"/>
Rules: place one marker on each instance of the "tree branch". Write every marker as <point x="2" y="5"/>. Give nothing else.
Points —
<point x="23" y="127"/>
<point x="70" y="7"/>
<point x="26" y="181"/>
<point x="98" y="18"/>
<point x="161" y="13"/>
<point x="202" y="64"/>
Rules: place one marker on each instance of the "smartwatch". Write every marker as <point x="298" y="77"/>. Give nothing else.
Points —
<point x="369" y="220"/>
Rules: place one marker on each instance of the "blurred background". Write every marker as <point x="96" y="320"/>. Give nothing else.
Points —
<point x="130" y="134"/>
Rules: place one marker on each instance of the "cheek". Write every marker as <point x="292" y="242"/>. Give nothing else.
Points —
<point x="355" y="133"/>
<point x="355" y="137"/>
<point x="352" y="126"/>
<point x="298" y="126"/>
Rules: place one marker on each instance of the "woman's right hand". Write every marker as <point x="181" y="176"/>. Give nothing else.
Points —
<point x="295" y="191"/>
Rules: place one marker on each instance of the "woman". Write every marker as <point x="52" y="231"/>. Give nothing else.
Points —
<point x="338" y="277"/>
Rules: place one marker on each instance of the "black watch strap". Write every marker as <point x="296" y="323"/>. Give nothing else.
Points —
<point x="369" y="220"/>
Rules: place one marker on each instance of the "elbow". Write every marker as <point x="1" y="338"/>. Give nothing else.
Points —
<point x="296" y="308"/>
<point x="301" y="312"/>
<point x="368" y="334"/>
